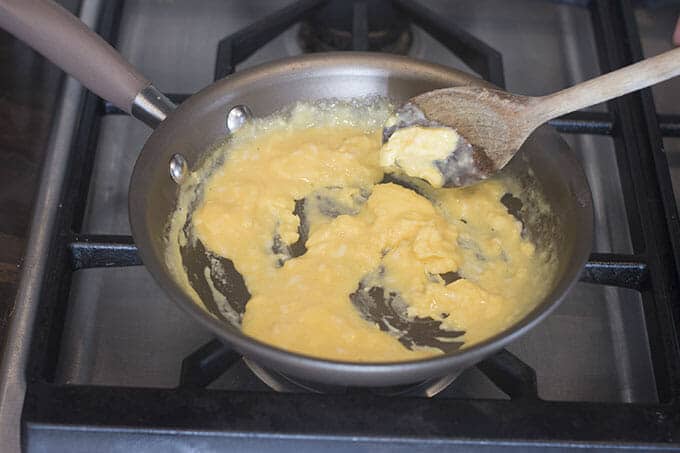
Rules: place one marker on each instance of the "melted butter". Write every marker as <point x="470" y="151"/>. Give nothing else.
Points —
<point x="415" y="150"/>
<point x="358" y="231"/>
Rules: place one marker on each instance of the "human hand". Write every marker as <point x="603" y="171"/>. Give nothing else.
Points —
<point x="676" y="33"/>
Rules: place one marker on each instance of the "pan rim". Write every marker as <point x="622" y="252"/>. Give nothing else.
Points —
<point x="373" y="374"/>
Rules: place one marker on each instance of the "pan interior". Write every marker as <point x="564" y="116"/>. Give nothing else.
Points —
<point x="552" y="178"/>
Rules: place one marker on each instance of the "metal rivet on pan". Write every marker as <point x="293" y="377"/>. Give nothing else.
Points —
<point x="237" y="117"/>
<point x="178" y="168"/>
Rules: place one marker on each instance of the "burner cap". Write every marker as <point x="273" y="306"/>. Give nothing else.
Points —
<point x="331" y="27"/>
<point x="286" y="384"/>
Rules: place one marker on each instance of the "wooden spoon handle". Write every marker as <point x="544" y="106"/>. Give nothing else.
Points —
<point x="608" y="86"/>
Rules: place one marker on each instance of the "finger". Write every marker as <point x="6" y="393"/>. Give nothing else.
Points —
<point x="676" y="33"/>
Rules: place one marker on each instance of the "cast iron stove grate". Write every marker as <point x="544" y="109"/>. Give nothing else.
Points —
<point x="57" y="414"/>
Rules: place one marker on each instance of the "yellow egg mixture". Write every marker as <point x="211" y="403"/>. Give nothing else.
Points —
<point x="414" y="151"/>
<point x="358" y="230"/>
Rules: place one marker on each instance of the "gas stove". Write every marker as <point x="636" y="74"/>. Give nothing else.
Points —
<point x="99" y="358"/>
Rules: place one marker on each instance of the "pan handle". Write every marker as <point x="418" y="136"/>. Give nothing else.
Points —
<point x="67" y="42"/>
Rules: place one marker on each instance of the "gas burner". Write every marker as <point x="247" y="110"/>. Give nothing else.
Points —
<point x="357" y="25"/>
<point x="286" y="384"/>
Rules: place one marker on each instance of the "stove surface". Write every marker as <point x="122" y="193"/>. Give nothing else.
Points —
<point x="125" y="346"/>
<point x="122" y="330"/>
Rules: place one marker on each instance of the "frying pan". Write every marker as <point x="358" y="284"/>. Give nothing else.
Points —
<point x="544" y="171"/>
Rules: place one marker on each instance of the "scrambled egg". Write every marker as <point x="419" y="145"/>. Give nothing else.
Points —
<point x="316" y="172"/>
<point x="416" y="150"/>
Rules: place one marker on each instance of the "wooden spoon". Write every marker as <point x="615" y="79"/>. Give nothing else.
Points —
<point x="495" y="123"/>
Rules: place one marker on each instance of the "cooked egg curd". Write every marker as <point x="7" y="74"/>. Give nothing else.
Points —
<point x="416" y="150"/>
<point x="316" y="173"/>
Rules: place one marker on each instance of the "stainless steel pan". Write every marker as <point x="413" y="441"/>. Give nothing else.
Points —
<point x="545" y="168"/>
